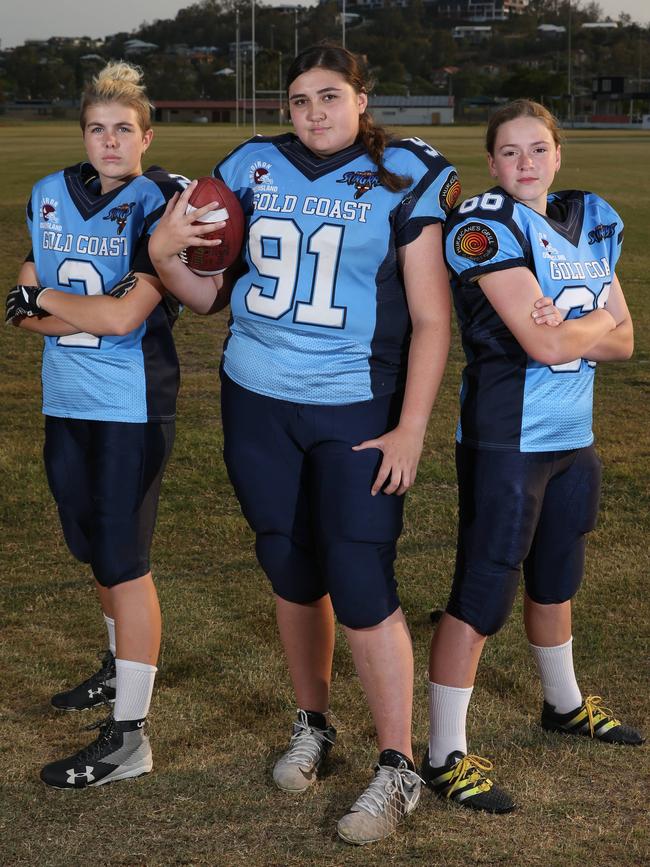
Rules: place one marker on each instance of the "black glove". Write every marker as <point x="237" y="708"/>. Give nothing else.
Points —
<point x="23" y="301"/>
<point x="124" y="286"/>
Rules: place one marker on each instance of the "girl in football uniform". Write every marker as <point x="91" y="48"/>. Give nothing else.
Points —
<point x="528" y="475"/>
<point x="338" y="340"/>
<point x="110" y="379"/>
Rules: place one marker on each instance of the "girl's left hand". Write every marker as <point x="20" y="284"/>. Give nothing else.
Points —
<point x="401" y="449"/>
<point x="546" y="313"/>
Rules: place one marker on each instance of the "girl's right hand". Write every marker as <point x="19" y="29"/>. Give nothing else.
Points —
<point x="177" y="230"/>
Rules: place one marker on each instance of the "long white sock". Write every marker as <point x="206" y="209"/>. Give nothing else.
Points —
<point x="110" y="626"/>
<point x="133" y="688"/>
<point x="559" y="684"/>
<point x="447" y="717"/>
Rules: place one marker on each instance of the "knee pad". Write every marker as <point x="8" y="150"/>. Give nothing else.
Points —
<point x="484" y="600"/>
<point x="293" y="570"/>
<point x="361" y="582"/>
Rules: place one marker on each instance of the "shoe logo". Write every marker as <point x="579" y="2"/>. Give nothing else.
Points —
<point x="86" y="775"/>
<point x="93" y="692"/>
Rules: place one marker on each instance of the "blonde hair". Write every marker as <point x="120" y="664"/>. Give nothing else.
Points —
<point x="118" y="82"/>
<point x="521" y="108"/>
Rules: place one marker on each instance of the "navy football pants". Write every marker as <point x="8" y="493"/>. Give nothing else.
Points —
<point x="306" y="495"/>
<point x="520" y="508"/>
<point x="105" y="478"/>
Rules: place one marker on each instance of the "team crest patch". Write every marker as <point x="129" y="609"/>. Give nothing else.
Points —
<point x="48" y="216"/>
<point x="259" y="174"/>
<point x="120" y="214"/>
<point x="450" y="192"/>
<point x="476" y="241"/>
<point x="363" y="181"/>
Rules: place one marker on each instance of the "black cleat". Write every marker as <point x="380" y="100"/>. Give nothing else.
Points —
<point x="121" y="751"/>
<point x="98" y="690"/>
<point x="593" y="720"/>
<point x="462" y="780"/>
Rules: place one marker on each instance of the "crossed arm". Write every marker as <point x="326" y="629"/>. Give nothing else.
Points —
<point x="605" y="334"/>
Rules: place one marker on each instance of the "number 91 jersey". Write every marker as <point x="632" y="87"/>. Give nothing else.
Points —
<point x="320" y="314"/>
<point x="509" y="400"/>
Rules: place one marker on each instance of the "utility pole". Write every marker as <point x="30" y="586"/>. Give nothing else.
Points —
<point x="568" y="74"/>
<point x="237" y="67"/>
<point x="295" y="31"/>
<point x="253" y="81"/>
<point x="343" y="23"/>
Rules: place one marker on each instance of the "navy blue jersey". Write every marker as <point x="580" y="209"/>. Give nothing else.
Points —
<point x="320" y="314"/>
<point x="83" y="241"/>
<point x="509" y="400"/>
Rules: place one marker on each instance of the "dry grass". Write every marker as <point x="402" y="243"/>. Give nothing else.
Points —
<point x="223" y="704"/>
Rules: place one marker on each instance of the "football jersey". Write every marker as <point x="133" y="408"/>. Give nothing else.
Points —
<point x="83" y="242"/>
<point x="509" y="400"/>
<point x="319" y="314"/>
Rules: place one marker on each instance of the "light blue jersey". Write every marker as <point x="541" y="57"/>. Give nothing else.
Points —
<point x="83" y="242"/>
<point x="320" y="314"/>
<point x="509" y="400"/>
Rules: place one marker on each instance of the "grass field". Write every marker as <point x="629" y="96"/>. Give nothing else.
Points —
<point x="223" y="704"/>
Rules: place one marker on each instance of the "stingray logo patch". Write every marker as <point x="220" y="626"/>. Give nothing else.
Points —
<point x="450" y="192"/>
<point x="601" y="233"/>
<point x="120" y="214"/>
<point x="476" y="241"/>
<point x="362" y="181"/>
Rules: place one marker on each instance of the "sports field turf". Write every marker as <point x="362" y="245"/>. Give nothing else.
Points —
<point x="223" y="705"/>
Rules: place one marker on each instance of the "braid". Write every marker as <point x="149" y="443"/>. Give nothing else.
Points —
<point x="375" y="138"/>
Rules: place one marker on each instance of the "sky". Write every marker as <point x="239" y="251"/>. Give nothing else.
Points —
<point x="40" y="19"/>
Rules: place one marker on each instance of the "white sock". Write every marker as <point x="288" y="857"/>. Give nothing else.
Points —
<point x="447" y="716"/>
<point x="559" y="684"/>
<point x="110" y="626"/>
<point x="133" y="688"/>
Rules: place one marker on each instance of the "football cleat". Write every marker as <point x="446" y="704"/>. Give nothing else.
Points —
<point x="121" y="751"/>
<point x="462" y="779"/>
<point x="298" y="768"/>
<point x="593" y="720"/>
<point x="393" y="793"/>
<point x="99" y="689"/>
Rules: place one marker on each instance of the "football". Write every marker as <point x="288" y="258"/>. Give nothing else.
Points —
<point x="208" y="261"/>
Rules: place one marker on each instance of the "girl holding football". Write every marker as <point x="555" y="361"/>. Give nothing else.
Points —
<point x="528" y="475"/>
<point x="110" y="379"/>
<point x="338" y="341"/>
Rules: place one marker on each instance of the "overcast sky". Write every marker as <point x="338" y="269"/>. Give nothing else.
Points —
<point x="40" y="19"/>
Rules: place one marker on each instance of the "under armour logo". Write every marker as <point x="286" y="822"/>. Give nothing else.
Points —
<point x="93" y="692"/>
<point x="141" y="724"/>
<point x="87" y="775"/>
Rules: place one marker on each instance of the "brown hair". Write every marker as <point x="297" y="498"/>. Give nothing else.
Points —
<point x="329" y="55"/>
<point x="520" y="108"/>
<point x="118" y="82"/>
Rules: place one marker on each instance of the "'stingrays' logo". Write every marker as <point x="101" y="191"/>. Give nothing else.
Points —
<point x="363" y="181"/>
<point x="601" y="233"/>
<point x="120" y="214"/>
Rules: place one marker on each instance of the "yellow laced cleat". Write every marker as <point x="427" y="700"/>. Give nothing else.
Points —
<point x="592" y="719"/>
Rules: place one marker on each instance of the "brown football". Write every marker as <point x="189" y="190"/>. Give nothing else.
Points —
<point x="207" y="261"/>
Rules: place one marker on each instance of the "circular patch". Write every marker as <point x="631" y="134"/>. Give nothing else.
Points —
<point x="476" y="241"/>
<point x="450" y="192"/>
